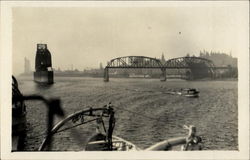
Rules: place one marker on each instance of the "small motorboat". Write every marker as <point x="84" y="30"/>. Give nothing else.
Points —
<point x="188" y="92"/>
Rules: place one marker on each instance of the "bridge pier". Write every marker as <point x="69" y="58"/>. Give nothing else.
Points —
<point x="163" y="75"/>
<point x="106" y="74"/>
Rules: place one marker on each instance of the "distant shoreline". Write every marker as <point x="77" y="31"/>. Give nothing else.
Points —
<point x="170" y="79"/>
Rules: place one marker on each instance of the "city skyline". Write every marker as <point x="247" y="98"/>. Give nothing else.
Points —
<point x="86" y="36"/>
<point x="232" y="62"/>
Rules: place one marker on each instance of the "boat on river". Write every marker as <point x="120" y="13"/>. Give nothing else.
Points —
<point x="104" y="140"/>
<point x="188" y="92"/>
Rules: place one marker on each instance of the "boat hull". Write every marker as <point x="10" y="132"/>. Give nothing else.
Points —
<point x="98" y="143"/>
<point x="192" y="95"/>
<point x="18" y="131"/>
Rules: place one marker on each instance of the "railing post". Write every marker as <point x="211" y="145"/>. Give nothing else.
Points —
<point x="163" y="75"/>
<point x="106" y="74"/>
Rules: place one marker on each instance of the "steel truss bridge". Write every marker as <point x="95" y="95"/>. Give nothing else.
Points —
<point x="195" y="64"/>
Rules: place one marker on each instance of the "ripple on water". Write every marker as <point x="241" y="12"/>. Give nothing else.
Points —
<point x="214" y="113"/>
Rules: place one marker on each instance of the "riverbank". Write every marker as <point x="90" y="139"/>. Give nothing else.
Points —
<point x="111" y="76"/>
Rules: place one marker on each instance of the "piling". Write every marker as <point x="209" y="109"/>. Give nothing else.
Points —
<point x="106" y="75"/>
<point x="163" y="75"/>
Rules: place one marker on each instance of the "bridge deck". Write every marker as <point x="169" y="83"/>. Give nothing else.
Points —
<point x="151" y="67"/>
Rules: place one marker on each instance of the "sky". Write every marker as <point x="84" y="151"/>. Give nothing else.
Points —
<point x="85" y="36"/>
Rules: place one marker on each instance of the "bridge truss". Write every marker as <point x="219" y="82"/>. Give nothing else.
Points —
<point x="135" y="62"/>
<point x="193" y="65"/>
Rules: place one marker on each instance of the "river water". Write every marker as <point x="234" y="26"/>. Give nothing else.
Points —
<point x="144" y="113"/>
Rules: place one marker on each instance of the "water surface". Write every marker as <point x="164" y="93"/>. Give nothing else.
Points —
<point x="214" y="113"/>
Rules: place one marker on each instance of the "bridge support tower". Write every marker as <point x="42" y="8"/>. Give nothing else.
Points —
<point x="106" y="74"/>
<point x="163" y="75"/>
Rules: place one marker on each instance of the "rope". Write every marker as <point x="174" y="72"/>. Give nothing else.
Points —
<point x="75" y="125"/>
<point x="146" y="116"/>
<point x="143" y="115"/>
<point x="45" y="133"/>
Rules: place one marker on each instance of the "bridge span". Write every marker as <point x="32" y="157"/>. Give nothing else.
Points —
<point x="196" y="65"/>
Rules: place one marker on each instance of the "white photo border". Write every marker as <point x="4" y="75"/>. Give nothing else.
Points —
<point x="5" y="85"/>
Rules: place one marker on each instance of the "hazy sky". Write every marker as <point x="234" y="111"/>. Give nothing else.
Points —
<point x="86" y="36"/>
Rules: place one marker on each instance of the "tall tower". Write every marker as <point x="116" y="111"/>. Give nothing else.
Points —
<point x="43" y="65"/>
<point x="43" y="58"/>
<point x="163" y="58"/>
<point x="101" y="67"/>
<point x="26" y="66"/>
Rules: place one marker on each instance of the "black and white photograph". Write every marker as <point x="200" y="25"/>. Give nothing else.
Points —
<point x="98" y="79"/>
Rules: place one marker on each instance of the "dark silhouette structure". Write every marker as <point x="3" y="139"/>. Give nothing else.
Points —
<point x="43" y="65"/>
<point x="195" y="67"/>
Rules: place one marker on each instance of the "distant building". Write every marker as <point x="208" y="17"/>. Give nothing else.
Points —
<point x="101" y="67"/>
<point x="219" y="58"/>
<point x="27" y="67"/>
<point x="163" y="60"/>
